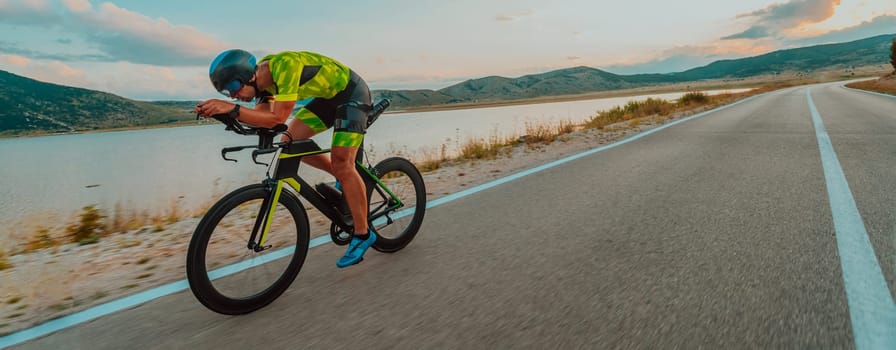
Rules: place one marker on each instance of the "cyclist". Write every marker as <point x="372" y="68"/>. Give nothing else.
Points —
<point x="341" y="100"/>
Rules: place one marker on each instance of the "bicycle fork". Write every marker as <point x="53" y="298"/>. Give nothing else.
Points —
<point x="265" y="215"/>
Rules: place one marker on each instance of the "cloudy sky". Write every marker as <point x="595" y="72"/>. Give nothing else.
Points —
<point x="161" y="49"/>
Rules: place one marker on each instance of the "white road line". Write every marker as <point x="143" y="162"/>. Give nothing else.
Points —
<point x="871" y="307"/>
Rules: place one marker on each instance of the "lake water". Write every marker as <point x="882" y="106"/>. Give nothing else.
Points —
<point x="48" y="179"/>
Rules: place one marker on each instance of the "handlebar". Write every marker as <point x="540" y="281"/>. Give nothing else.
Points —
<point x="266" y="136"/>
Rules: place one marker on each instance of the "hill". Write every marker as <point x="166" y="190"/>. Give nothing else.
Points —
<point x="29" y="106"/>
<point x="579" y="80"/>
<point x="864" y="52"/>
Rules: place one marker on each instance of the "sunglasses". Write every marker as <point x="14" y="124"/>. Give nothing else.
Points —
<point x="230" y="89"/>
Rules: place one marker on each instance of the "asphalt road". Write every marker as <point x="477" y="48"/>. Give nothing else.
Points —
<point x="714" y="233"/>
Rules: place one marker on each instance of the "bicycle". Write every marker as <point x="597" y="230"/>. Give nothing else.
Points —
<point x="250" y="246"/>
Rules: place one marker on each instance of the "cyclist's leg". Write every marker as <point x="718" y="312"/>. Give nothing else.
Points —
<point x="345" y="149"/>
<point x="344" y="152"/>
<point x="309" y="121"/>
<point x="349" y="128"/>
<point x="350" y="125"/>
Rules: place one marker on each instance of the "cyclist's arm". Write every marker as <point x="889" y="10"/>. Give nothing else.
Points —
<point x="262" y="116"/>
<point x="265" y="117"/>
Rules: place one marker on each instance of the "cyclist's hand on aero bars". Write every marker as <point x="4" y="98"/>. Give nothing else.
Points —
<point x="209" y="108"/>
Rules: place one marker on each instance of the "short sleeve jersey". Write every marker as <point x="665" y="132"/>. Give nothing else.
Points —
<point x="302" y="75"/>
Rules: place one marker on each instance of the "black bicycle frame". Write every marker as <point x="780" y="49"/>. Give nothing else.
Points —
<point x="286" y="173"/>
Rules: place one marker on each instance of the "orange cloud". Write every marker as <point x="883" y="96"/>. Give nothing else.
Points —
<point x="53" y="72"/>
<point x="78" y="5"/>
<point x="16" y="61"/>
<point x="789" y="16"/>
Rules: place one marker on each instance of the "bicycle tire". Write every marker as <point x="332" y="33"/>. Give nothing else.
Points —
<point x="403" y="179"/>
<point x="210" y="289"/>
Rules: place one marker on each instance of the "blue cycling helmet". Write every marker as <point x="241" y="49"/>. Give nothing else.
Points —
<point x="231" y="70"/>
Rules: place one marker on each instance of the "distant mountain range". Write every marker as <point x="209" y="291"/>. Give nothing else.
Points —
<point x="29" y="106"/>
<point x="32" y="107"/>
<point x="579" y="80"/>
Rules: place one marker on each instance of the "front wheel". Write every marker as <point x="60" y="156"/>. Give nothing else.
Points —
<point x="397" y="205"/>
<point x="225" y="273"/>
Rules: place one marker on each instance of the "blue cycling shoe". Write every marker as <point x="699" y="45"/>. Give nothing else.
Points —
<point x="356" y="249"/>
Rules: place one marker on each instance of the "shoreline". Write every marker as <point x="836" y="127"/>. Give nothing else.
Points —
<point x="718" y="84"/>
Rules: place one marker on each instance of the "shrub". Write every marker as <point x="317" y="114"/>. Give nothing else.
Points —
<point x="89" y="228"/>
<point x="566" y="127"/>
<point x="651" y="106"/>
<point x="693" y="98"/>
<point x="604" y="118"/>
<point x="483" y="149"/>
<point x="4" y="261"/>
<point x="41" y="240"/>
<point x="631" y="110"/>
<point x="539" y="133"/>
<point x="474" y="149"/>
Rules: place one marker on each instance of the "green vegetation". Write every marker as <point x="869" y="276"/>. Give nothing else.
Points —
<point x="887" y="83"/>
<point x="632" y="110"/>
<point x="29" y="107"/>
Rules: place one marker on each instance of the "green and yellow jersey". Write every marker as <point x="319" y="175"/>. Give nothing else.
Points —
<point x="302" y="75"/>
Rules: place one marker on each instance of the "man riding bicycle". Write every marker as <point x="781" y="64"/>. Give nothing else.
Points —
<point x="341" y="100"/>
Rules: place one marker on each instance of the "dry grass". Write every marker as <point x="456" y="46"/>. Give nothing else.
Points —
<point x="124" y="220"/>
<point x="431" y="161"/>
<point x="4" y="260"/>
<point x="484" y="149"/>
<point x="637" y="110"/>
<point x="174" y="212"/>
<point x="542" y="133"/>
<point x="41" y="240"/>
<point x="94" y="223"/>
<point x="884" y="85"/>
